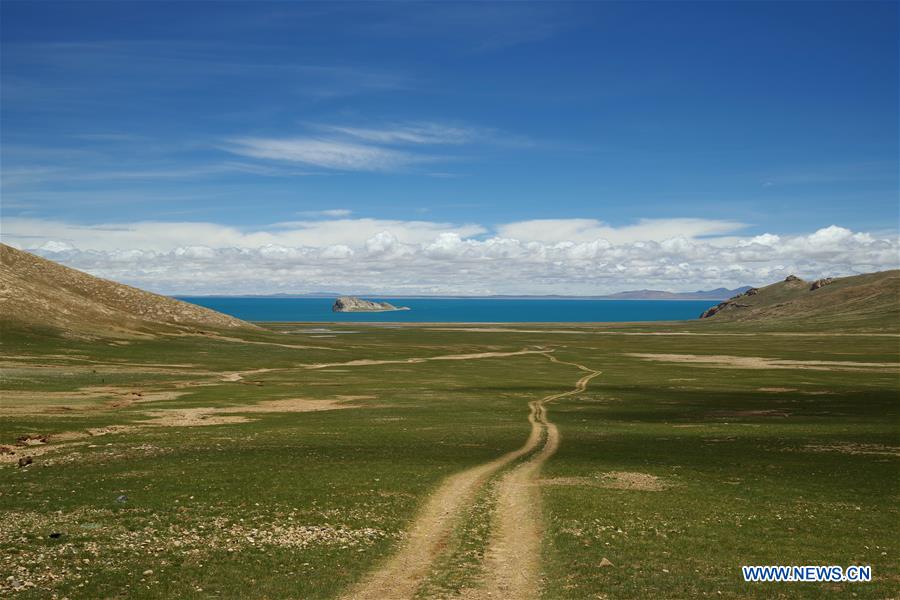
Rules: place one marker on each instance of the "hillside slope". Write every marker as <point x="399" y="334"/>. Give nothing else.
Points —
<point x="40" y="292"/>
<point x="870" y="301"/>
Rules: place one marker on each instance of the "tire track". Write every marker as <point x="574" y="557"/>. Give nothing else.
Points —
<point x="509" y="568"/>
<point x="512" y="560"/>
<point x="405" y="572"/>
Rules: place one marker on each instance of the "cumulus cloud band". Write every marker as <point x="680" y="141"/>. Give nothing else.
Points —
<point x="577" y="256"/>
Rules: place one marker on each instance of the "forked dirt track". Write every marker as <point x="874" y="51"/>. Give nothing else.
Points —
<point x="513" y="558"/>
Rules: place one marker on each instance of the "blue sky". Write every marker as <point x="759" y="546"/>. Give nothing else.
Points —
<point x="539" y="122"/>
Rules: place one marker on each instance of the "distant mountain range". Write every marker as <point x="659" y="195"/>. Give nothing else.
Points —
<point x="716" y="294"/>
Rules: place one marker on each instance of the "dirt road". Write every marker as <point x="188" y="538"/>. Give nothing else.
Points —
<point x="512" y="563"/>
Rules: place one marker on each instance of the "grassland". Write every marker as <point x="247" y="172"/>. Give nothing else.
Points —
<point x="297" y="461"/>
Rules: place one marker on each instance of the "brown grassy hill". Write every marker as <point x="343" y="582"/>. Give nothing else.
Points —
<point x="40" y="292"/>
<point x="870" y="301"/>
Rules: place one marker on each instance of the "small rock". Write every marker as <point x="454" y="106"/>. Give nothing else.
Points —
<point x="122" y="499"/>
<point x="25" y="461"/>
<point x="148" y="572"/>
<point x="55" y="535"/>
<point x="31" y="440"/>
<point x="605" y="563"/>
<point x="820" y="283"/>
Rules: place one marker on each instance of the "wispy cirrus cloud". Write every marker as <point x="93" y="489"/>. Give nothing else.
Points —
<point x="480" y="27"/>
<point x="412" y="133"/>
<point x="390" y="147"/>
<point x="20" y="176"/>
<point x="325" y="153"/>
<point x="333" y="213"/>
<point x="99" y="72"/>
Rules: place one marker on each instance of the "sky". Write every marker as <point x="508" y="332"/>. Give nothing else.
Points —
<point x="437" y="148"/>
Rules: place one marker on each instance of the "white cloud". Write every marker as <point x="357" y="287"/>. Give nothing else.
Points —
<point x="330" y="212"/>
<point x="161" y="236"/>
<point x="325" y="153"/>
<point x="385" y="148"/>
<point x="410" y="133"/>
<point x="373" y="255"/>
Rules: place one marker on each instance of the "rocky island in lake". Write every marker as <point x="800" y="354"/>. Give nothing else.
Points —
<point x="354" y="304"/>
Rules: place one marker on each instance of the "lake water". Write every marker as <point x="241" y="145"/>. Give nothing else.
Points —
<point x="458" y="310"/>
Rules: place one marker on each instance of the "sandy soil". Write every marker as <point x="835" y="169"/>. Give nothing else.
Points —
<point x="406" y="361"/>
<point x="627" y="480"/>
<point x="212" y="415"/>
<point x="615" y="480"/>
<point x="177" y="417"/>
<point x="239" y="376"/>
<point x="19" y="403"/>
<point x="759" y="362"/>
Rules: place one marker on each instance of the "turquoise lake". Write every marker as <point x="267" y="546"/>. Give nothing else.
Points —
<point x="458" y="310"/>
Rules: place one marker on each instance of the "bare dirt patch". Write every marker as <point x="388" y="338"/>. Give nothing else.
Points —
<point x="239" y="376"/>
<point x="10" y="455"/>
<point x="506" y="330"/>
<point x="615" y="480"/>
<point x="628" y="480"/>
<point x="20" y="403"/>
<point x="176" y="417"/>
<point x="858" y="449"/>
<point x="405" y="361"/>
<point x="190" y="417"/>
<point x="211" y="415"/>
<point x="759" y="362"/>
<point x="571" y="481"/>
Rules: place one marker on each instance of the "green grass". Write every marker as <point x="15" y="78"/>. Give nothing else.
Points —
<point x="300" y="505"/>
